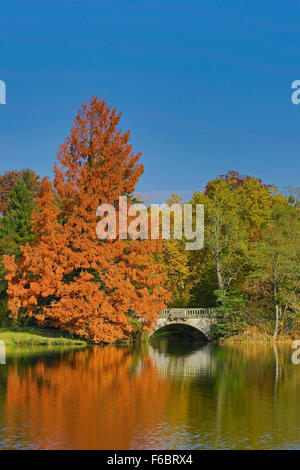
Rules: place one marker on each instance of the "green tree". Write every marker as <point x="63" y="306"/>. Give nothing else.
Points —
<point x="236" y="207"/>
<point x="230" y="314"/>
<point x="276" y="261"/>
<point x="16" y="225"/>
<point x="225" y="231"/>
<point x="236" y="210"/>
<point x="15" y="228"/>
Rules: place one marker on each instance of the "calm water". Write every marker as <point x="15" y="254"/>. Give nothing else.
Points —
<point x="167" y="395"/>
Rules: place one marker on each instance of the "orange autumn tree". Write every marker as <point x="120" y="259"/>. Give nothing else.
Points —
<point x="68" y="277"/>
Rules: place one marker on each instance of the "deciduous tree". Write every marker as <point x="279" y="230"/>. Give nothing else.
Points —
<point x="275" y="261"/>
<point x="69" y="277"/>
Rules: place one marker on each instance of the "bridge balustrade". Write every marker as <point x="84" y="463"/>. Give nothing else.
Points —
<point x="186" y="312"/>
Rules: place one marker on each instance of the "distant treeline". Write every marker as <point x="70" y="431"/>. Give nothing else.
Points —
<point x="250" y="265"/>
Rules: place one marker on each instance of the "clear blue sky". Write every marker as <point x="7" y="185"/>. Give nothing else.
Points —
<point x="204" y="86"/>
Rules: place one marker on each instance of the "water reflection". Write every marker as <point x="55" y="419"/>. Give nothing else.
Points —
<point x="177" y="359"/>
<point x="165" y="395"/>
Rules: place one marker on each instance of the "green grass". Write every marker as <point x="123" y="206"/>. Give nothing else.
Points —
<point x="37" y="337"/>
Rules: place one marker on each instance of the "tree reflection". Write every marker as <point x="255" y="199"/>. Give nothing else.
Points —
<point x="165" y="395"/>
<point x="93" y="399"/>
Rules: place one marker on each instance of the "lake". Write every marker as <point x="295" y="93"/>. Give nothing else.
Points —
<point x="164" y="395"/>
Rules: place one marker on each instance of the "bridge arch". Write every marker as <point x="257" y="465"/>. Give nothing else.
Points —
<point x="188" y="324"/>
<point x="202" y="319"/>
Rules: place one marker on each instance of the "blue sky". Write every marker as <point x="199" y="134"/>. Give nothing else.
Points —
<point x="204" y="86"/>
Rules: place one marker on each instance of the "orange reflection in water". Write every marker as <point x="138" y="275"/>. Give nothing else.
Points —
<point x="92" y="399"/>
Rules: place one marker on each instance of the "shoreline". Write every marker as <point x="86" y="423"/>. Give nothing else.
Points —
<point x="37" y="336"/>
<point x="258" y="338"/>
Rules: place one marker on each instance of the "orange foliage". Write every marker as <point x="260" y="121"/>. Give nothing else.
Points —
<point x="69" y="277"/>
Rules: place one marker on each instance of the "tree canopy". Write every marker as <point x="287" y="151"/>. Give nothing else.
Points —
<point x="68" y="277"/>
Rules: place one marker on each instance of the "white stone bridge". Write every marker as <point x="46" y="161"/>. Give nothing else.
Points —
<point x="201" y="319"/>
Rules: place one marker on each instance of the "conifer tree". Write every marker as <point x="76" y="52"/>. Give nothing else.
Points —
<point x="16" y="228"/>
<point x="70" y="278"/>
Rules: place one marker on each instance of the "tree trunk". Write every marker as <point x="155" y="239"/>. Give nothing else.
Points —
<point x="220" y="279"/>
<point x="219" y="274"/>
<point x="276" y="313"/>
<point x="276" y="322"/>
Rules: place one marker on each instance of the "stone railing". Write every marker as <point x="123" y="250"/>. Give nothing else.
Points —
<point x="186" y="312"/>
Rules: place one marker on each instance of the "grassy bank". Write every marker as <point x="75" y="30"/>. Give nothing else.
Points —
<point x="254" y="335"/>
<point x="37" y="337"/>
